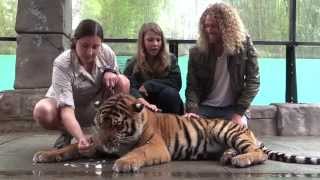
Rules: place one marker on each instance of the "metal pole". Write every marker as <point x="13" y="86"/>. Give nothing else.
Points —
<point x="174" y="47"/>
<point x="291" y="78"/>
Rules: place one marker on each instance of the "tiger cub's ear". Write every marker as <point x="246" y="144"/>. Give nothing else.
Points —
<point x="137" y="107"/>
<point x="97" y="104"/>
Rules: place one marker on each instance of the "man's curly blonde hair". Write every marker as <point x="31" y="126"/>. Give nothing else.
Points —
<point x="230" y="24"/>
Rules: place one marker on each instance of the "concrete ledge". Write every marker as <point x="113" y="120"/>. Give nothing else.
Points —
<point x="285" y="119"/>
<point x="262" y="120"/>
<point x="298" y="119"/>
<point x="18" y="104"/>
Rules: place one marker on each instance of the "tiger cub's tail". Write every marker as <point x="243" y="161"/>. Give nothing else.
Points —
<point x="290" y="158"/>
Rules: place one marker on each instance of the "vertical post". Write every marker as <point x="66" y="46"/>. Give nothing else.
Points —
<point x="43" y="28"/>
<point x="291" y="78"/>
<point x="174" y="47"/>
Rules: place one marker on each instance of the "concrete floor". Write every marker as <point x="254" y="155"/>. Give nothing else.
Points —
<point x="17" y="149"/>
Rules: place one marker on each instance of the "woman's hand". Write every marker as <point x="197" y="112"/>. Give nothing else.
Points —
<point x="85" y="145"/>
<point x="110" y="79"/>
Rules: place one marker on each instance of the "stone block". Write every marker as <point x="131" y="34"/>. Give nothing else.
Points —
<point x="298" y="119"/>
<point x="263" y="127"/>
<point x="262" y="112"/>
<point x="19" y="104"/>
<point x="11" y="126"/>
<point x="261" y="120"/>
<point x="35" y="55"/>
<point x="54" y="16"/>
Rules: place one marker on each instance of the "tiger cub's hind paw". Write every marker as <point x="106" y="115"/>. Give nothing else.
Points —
<point x="241" y="161"/>
<point x="45" y="157"/>
<point x="227" y="156"/>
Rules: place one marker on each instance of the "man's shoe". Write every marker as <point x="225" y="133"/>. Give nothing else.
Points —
<point x="63" y="140"/>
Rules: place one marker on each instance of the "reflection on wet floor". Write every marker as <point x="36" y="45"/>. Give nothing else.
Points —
<point x="150" y="175"/>
<point x="16" y="163"/>
<point x="102" y="168"/>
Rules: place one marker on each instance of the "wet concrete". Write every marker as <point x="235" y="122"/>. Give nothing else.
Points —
<point x="16" y="151"/>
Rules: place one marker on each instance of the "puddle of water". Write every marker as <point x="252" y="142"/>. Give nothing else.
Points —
<point x="92" y="172"/>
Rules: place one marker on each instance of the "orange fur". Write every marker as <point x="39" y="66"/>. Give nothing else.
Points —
<point x="143" y="138"/>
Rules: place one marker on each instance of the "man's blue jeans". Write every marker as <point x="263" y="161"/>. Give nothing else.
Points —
<point x="219" y="112"/>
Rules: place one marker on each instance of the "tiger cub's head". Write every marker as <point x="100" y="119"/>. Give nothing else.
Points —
<point x="119" y="122"/>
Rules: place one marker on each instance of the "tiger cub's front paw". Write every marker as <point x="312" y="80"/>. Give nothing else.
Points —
<point x="127" y="165"/>
<point x="45" y="157"/>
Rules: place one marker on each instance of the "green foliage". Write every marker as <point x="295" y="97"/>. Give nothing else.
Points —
<point x="8" y="10"/>
<point x="122" y="18"/>
<point x="265" y="20"/>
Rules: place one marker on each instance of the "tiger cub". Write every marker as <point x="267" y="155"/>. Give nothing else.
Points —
<point x="143" y="138"/>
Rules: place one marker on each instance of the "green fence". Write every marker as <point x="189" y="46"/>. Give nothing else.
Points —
<point x="272" y="76"/>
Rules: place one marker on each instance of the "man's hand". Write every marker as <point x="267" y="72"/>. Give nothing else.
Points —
<point x="236" y="118"/>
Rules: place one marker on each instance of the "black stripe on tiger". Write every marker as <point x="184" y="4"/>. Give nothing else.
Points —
<point x="200" y="135"/>
<point x="176" y="146"/>
<point x="229" y="133"/>
<point x="188" y="140"/>
<point x="283" y="157"/>
<point x="179" y="122"/>
<point x="240" y="143"/>
<point x="204" y="124"/>
<point x="133" y="128"/>
<point x="224" y="125"/>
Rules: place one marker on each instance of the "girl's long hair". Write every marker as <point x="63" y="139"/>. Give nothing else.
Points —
<point x="158" y="66"/>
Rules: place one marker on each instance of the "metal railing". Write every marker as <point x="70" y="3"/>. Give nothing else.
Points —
<point x="291" y="80"/>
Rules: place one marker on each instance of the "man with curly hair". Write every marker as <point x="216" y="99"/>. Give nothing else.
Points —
<point x="223" y="73"/>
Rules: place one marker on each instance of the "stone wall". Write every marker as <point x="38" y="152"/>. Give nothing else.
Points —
<point x="43" y="28"/>
<point x="43" y="31"/>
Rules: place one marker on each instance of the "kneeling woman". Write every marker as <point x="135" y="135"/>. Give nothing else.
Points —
<point x="80" y="76"/>
<point x="154" y="74"/>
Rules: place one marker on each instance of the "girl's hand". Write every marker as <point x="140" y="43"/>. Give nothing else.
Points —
<point x="190" y="115"/>
<point x="152" y="107"/>
<point x="143" y="91"/>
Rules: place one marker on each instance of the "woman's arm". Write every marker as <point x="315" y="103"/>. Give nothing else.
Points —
<point x="71" y="124"/>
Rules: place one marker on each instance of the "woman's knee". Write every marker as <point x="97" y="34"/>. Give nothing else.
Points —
<point x="123" y="84"/>
<point x="171" y="101"/>
<point x="46" y="114"/>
